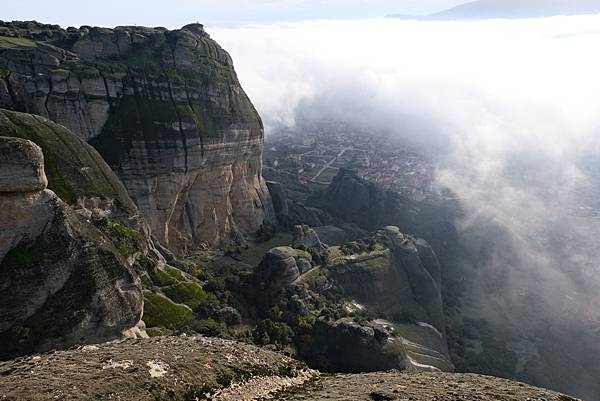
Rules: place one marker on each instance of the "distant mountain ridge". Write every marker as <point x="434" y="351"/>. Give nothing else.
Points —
<point x="513" y="9"/>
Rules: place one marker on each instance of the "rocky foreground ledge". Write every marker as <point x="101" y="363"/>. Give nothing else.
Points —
<point x="199" y="368"/>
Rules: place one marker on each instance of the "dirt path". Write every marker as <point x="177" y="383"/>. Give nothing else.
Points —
<point x="160" y="368"/>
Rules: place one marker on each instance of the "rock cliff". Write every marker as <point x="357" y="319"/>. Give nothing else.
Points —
<point x="62" y="280"/>
<point x="166" y="111"/>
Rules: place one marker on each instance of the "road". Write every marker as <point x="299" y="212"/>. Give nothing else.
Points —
<point x="326" y="166"/>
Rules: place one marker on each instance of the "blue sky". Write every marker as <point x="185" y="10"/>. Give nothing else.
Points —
<point x="175" y="13"/>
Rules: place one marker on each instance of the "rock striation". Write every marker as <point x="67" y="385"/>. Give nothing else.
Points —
<point x="166" y="111"/>
<point x="62" y="281"/>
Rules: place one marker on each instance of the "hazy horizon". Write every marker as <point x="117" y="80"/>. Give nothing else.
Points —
<point x="177" y="13"/>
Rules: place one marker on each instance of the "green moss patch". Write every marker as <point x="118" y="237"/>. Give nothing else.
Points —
<point x="188" y="293"/>
<point x="7" y="42"/>
<point x="162" y="312"/>
<point x="161" y="278"/>
<point x="379" y="263"/>
<point x="303" y="254"/>
<point x="125" y="239"/>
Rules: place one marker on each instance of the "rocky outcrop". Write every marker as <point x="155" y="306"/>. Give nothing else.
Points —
<point x="347" y="346"/>
<point x="162" y="368"/>
<point x="355" y="200"/>
<point x="62" y="280"/>
<point x="75" y="170"/>
<point x="394" y="274"/>
<point x="392" y="386"/>
<point x="395" y="281"/>
<point x="165" y="110"/>
<point x="306" y="238"/>
<point x="22" y="166"/>
<point x="277" y="271"/>
<point x="79" y="176"/>
<point x="290" y="212"/>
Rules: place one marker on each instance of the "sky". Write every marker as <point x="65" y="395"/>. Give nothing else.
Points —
<point x="176" y="13"/>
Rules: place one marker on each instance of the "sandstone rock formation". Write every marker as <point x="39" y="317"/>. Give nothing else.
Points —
<point x="355" y="200"/>
<point x="75" y="170"/>
<point x="306" y="238"/>
<point x="395" y="281"/>
<point x="22" y="166"/>
<point x="62" y="280"/>
<point x="276" y="271"/>
<point x="166" y="111"/>
<point x="346" y="346"/>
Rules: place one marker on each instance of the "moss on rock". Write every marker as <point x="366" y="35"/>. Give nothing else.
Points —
<point x="188" y="293"/>
<point x="162" y="312"/>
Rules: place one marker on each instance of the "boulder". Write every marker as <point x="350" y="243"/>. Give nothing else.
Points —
<point x="62" y="281"/>
<point x="347" y="346"/>
<point x="22" y="166"/>
<point x="275" y="273"/>
<point x="279" y="267"/>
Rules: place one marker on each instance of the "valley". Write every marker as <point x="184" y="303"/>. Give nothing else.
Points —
<point x="155" y="246"/>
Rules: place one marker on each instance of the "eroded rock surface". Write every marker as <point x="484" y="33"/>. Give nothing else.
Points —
<point x="306" y="238"/>
<point x="22" y="166"/>
<point x="62" y="281"/>
<point x="161" y="368"/>
<point x="166" y="111"/>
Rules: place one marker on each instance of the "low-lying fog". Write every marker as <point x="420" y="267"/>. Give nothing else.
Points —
<point x="511" y="108"/>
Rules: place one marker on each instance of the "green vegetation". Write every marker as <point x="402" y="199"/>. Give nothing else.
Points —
<point x="303" y="254"/>
<point x="125" y="239"/>
<point x="162" y="312"/>
<point x="190" y="294"/>
<point x="119" y="230"/>
<point x="7" y="42"/>
<point x="376" y="264"/>
<point x="269" y="332"/>
<point x="162" y="278"/>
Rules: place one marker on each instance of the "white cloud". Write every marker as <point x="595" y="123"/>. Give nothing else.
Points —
<point x="512" y="106"/>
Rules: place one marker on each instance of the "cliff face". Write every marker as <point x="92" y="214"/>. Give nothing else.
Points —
<point x="165" y="110"/>
<point x="62" y="280"/>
